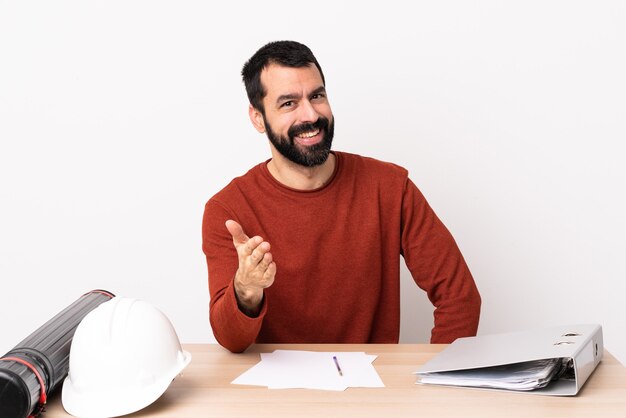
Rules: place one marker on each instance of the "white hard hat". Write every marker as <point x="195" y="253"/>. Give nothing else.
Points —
<point x="124" y="355"/>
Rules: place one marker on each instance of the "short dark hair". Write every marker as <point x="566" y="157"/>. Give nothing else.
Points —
<point x="286" y="53"/>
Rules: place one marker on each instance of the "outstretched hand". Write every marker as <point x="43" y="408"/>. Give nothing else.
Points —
<point x="256" y="268"/>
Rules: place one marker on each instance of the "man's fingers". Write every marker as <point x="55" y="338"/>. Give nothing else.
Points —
<point x="265" y="261"/>
<point x="245" y="245"/>
<point x="269" y="274"/>
<point x="236" y="231"/>
<point x="257" y="250"/>
<point x="271" y="270"/>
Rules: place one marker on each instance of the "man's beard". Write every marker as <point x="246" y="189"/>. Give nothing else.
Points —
<point x="308" y="156"/>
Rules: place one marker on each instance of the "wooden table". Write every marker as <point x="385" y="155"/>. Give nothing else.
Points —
<point x="204" y="390"/>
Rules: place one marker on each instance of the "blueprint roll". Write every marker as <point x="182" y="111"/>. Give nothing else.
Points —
<point x="38" y="364"/>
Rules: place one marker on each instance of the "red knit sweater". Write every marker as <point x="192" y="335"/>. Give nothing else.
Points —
<point x="337" y="251"/>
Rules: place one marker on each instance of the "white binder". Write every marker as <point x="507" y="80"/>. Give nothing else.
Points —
<point x="582" y="344"/>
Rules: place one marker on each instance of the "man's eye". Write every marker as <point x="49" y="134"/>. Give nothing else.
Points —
<point x="317" y="96"/>
<point x="287" y="104"/>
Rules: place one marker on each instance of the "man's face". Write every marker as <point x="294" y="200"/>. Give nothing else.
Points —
<point x="297" y="118"/>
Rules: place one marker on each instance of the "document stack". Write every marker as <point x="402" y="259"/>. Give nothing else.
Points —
<point x="528" y="375"/>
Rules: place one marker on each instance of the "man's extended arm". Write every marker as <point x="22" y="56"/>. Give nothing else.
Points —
<point x="239" y="269"/>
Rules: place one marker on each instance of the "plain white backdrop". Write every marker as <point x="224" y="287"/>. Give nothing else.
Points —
<point x="119" y="119"/>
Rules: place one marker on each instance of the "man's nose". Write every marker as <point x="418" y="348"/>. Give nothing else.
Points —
<point x="307" y="112"/>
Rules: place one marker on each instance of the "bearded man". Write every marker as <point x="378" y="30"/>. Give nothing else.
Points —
<point x="306" y="246"/>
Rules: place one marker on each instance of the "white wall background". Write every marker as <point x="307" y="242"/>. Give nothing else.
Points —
<point x="119" y="119"/>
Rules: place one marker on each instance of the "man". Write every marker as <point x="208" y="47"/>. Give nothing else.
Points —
<point x="305" y="247"/>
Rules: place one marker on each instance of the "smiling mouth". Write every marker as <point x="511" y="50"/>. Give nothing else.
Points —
<point x="309" y="138"/>
<point x="310" y="134"/>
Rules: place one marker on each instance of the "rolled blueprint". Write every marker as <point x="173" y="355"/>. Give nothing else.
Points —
<point x="37" y="365"/>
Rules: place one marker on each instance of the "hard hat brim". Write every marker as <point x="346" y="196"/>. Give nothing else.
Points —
<point x="117" y="400"/>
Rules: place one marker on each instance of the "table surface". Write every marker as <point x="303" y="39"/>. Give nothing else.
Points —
<point x="204" y="390"/>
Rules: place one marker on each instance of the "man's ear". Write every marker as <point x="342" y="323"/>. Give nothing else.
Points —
<point x="257" y="119"/>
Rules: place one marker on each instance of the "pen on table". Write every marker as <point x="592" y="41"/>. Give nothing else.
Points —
<point x="337" y="364"/>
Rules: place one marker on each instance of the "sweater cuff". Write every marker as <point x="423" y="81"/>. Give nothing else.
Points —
<point x="244" y="321"/>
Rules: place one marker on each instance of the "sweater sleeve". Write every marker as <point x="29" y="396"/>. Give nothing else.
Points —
<point x="438" y="267"/>
<point x="232" y="328"/>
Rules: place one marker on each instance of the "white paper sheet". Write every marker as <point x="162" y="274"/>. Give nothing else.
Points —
<point x="285" y="369"/>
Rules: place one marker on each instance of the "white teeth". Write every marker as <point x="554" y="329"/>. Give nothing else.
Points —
<point x="309" y="134"/>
